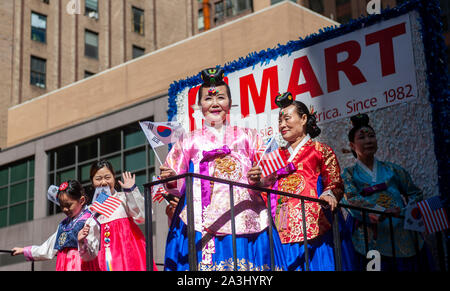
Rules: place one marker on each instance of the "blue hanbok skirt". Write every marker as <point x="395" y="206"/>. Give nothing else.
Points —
<point x="253" y="250"/>
<point x="321" y="254"/>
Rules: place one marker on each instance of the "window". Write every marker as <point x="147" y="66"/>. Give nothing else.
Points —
<point x="200" y="20"/>
<point x="38" y="27"/>
<point x="38" y="71"/>
<point x="219" y="11"/>
<point x="88" y="74"/>
<point x="235" y="7"/>
<point x="138" y="20"/>
<point x="125" y="148"/>
<point x="341" y="2"/>
<point x="45" y="1"/>
<point x="138" y="51"/>
<point x="316" y="5"/>
<point x="91" y="44"/>
<point x="16" y="192"/>
<point x="91" y="8"/>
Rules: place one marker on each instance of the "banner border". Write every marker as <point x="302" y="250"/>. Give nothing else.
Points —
<point x="435" y="57"/>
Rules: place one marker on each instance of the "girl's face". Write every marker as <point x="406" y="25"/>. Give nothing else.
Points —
<point x="291" y="125"/>
<point x="102" y="178"/>
<point x="215" y="107"/>
<point x="71" y="207"/>
<point x="365" y="143"/>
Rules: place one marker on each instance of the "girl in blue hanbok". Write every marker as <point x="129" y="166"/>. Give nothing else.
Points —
<point x="386" y="187"/>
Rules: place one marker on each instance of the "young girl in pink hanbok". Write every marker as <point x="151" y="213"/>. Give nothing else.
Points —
<point x="64" y="243"/>
<point x="228" y="152"/>
<point x="120" y="242"/>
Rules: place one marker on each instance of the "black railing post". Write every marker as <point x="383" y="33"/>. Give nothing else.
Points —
<point x="391" y="230"/>
<point x="148" y="228"/>
<point x="366" y="236"/>
<point x="305" y="235"/>
<point x="269" y="206"/>
<point x="193" y="264"/>
<point x="337" y="241"/>
<point x="233" y="228"/>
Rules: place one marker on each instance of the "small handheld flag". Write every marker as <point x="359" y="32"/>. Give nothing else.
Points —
<point x="413" y="218"/>
<point x="105" y="204"/>
<point x="161" y="133"/>
<point x="434" y="215"/>
<point x="51" y="194"/>
<point x="270" y="158"/>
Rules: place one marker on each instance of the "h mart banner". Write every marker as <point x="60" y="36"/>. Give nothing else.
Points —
<point x="364" y="70"/>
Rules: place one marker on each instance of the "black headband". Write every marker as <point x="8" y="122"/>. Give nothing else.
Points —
<point x="212" y="76"/>
<point x="284" y="100"/>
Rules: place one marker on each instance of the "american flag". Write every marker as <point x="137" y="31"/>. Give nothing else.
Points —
<point x="434" y="215"/>
<point x="270" y="158"/>
<point x="105" y="204"/>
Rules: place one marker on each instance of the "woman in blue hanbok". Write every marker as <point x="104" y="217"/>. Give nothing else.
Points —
<point x="386" y="187"/>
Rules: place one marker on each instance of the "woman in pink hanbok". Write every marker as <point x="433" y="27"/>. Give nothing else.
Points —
<point x="228" y="152"/>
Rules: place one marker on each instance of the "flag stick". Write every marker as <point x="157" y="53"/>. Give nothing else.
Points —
<point x="156" y="154"/>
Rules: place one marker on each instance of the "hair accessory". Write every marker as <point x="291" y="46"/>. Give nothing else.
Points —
<point x="213" y="91"/>
<point x="360" y="120"/>
<point x="63" y="186"/>
<point x="311" y="111"/>
<point x="284" y="100"/>
<point x="212" y="76"/>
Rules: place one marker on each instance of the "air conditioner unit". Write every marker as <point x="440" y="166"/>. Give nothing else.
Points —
<point x="93" y="14"/>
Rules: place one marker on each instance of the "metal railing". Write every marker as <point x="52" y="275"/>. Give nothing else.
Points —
<point x="192" y="256"/>
<point x="9" y="252"/>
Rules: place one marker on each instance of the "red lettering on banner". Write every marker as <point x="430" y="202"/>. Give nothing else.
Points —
<point x="192" y="97"/>
<point x="333" y="67"/>
<point x="247" y="83"/>
<point x="311" y="84"/>
<point x="385" y="39"/>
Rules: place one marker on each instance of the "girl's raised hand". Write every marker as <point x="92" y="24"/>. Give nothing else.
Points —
<point x="128" y="180"/>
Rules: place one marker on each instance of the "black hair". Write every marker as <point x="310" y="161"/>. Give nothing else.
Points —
<point x="206" y="85"/>
<point x="311" y="124"/>
<point x="358" y="121"/>
<point x="97" y="165"/>
<point x="74" y="190"/>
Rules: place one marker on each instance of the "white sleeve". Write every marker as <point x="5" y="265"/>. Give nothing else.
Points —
<point x="46" y="251"/>
<point x="135" y="205"/>
<point x="90" y="246"/>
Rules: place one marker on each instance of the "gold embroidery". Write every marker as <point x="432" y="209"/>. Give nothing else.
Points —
<point x="227" y="168"/>
<point x="242" y="265"/>
<point x="294" y="183"/>
<point x="384" y="200"/>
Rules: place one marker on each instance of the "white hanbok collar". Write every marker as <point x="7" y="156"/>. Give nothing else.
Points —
<point x="371" y="173"/>
<point x="218" y="133"/>
<point x="294" y="152"/>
